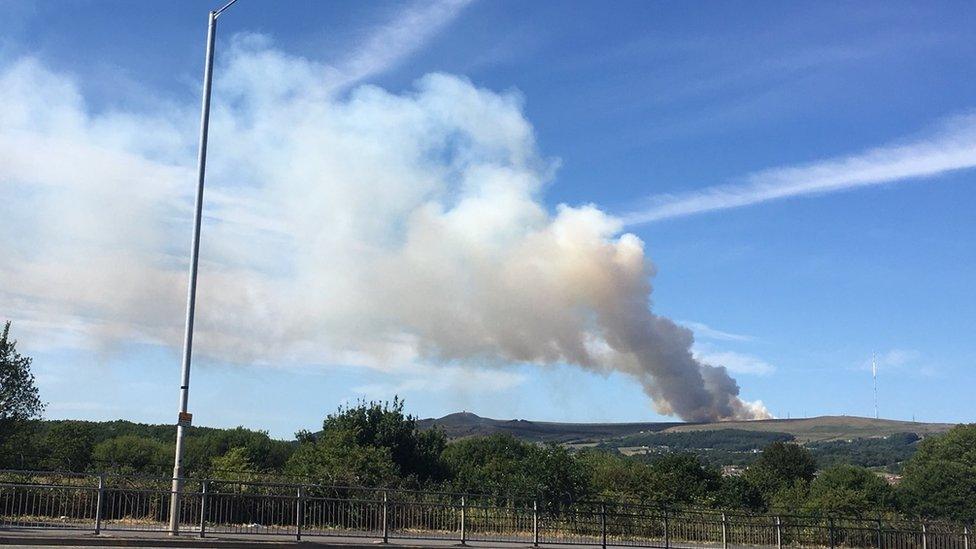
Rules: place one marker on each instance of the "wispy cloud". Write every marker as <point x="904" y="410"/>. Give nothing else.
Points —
<point x="389" y="44"/>
<point x="899" y="357"/>
<point x="952" y="147"/>
<point x="705" y="331"/>
<point x="899" y="360"/>
<point x="708" y="341"/>
<point x="425" y="380"/>
<point x="735" y="362"/>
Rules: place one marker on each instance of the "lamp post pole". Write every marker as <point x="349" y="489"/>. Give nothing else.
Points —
<point x="184" y="418"/>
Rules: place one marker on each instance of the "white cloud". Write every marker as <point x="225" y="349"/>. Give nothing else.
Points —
<point x="895" y="360"/>
<point x="951" y="148"/>
<point x="406" y="33"/>
<point x="737" y="363"/>
<point x="703" y="330"/>
<point x="898" y="357"/>
<point x="443" y="379"/>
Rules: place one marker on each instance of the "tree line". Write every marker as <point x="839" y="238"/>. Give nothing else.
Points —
<point x="375" y="444"/>
<point x="739" y="447"/>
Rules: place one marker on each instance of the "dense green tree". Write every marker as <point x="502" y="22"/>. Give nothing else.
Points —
<point x="337" y="458"/>
<point x="497" y="464"/>
<point x="28" y="449"/>
<point x="415" y="453"/>
<point x="887" y="452"/>
<point x="683" y="479"/>
<point x="789" y="498"/>
<point x="507" y="467"/>
<point x="736" y="492"/>
<point x="22" y="446"/>
<point x="670" y="479"/>
<point x="132" y="454"/>
<point x="940" y="489"/>
<point x="781" y="465"/>
<point x="957" y="445"/>
<point x="848" y="490"/>
<point x="68" y="446"/>
<point x="19" y="398"/>
<point x="235" y="465"/>
<point x="611" y="476"/>
<point x="264" y="453"/>
<point x="940" y="479"/>
<point x="370" y="444"/>
<point x="560" y="477"/>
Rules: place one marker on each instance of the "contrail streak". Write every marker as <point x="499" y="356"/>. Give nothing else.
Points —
<point x="950" y="149"/>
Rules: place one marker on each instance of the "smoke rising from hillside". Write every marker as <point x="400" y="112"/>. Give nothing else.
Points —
<point x="373" y="229"/>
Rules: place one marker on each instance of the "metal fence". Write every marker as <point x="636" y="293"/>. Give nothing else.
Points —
<point x="99" y="503"/>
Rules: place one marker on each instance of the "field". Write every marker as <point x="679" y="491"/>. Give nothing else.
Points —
<point x="805" y="430"/>
<point x="825" y="428"/>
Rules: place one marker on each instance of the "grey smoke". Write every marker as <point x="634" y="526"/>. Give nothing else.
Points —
<point x="375" y="229"/>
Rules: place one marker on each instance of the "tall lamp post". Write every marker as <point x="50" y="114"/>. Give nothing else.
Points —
<point x="185" y="418"/>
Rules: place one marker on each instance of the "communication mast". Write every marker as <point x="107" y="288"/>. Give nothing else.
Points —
<point x="874" y="377"/>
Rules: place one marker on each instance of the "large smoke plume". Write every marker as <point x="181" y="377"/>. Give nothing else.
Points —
<point x="361" y="227"/>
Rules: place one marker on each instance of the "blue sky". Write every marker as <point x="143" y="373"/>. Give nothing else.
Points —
<point x="800" y="176"/>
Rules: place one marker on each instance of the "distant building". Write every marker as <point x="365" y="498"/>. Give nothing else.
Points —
<point x="891" y="478"/>
<point x="732" y="470"/>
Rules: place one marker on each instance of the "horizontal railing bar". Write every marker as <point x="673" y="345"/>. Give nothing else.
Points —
<point x="58" y="486"/>
<point x="351" y="513"/>
<point x="35" y="473"/>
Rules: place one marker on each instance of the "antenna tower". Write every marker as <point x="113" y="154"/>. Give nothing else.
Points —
<point x="874" y="377"/>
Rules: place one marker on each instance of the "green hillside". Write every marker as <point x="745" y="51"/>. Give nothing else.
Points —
<point x="875" y="443"/>
<point x="823" y="428"/>
<point x="816" y="429"/>
<point x="466" y="424"/>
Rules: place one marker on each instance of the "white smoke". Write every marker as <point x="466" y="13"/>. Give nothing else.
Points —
<point x="375" y="228"/>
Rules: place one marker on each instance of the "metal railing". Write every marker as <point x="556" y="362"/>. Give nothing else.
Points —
<point x="101" y="502"/>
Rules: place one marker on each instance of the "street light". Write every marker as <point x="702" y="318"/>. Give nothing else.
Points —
<point x="185" y="418"/>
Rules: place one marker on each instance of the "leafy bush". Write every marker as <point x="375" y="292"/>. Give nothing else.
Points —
<point x="940" y="479"/>
<point x="372" y="444"/>
<point x="848" y="490"/>
<point x="504" y="466"/>
<point x="781" y="466"/>
<point x="129" y="454"/>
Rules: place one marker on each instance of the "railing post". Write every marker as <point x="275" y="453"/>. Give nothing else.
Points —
<point x="667" y="536"/>
<point x="535" y="524"/>
<point x="464" y="533"/>
<point x="779" y="533"/>
<point x="965" y="537"/>
<point x="203" y="508"/>
<point x="298" y="514"/>
<point x="880" y="535"/>
<point x="925" y="537"/>
<point x="830" y="531"/>
<point x="725" y="532"/>
<point x="386" y="524"/>
<point x="99" y="502"/>
<point x="603" y="525"/>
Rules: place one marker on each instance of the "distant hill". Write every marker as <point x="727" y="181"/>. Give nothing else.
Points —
<point x="825" y="428"/>
<point x="466" y="424"/>
<point x="816" y="429"/>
